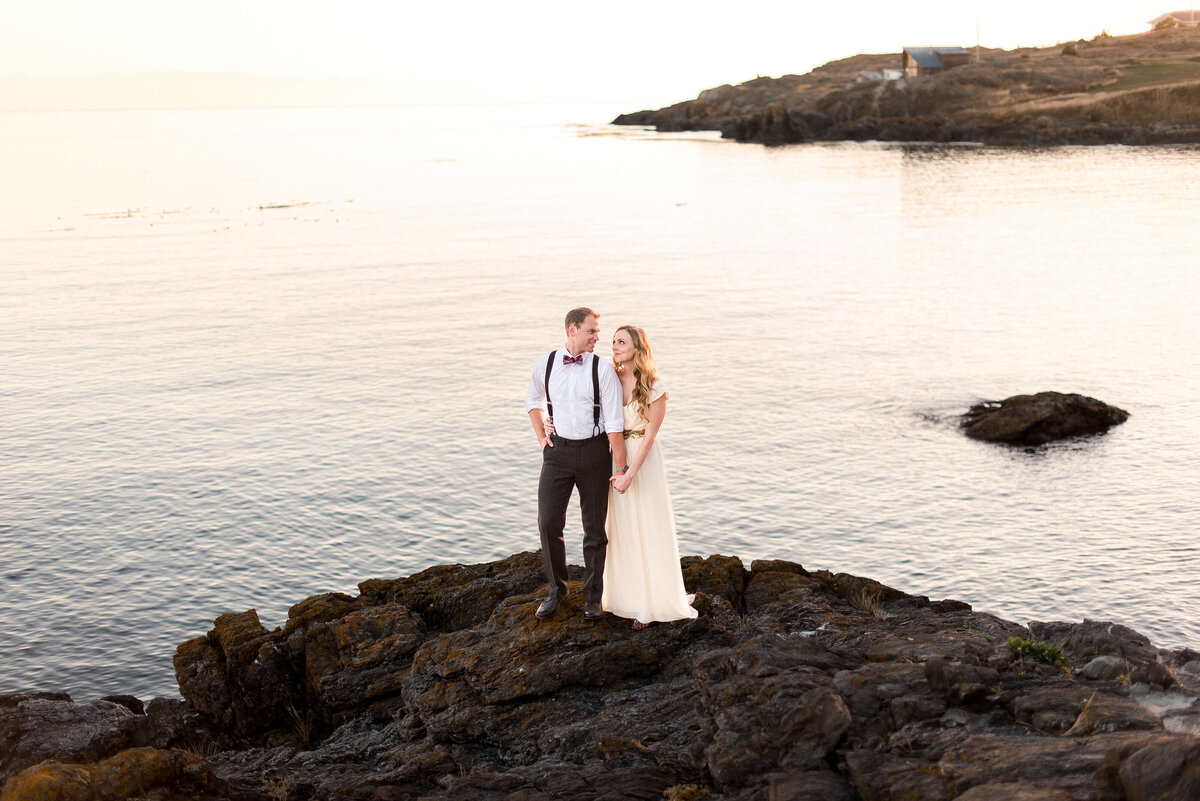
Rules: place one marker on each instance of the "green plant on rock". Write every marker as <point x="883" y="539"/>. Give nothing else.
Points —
<point x="1035" y="651"/>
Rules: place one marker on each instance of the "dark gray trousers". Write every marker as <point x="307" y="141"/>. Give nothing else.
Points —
<point x="571" y="463"/>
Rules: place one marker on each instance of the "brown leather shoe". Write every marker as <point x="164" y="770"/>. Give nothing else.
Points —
<point x="592" y="611"/>
<point x="548" y="607"/>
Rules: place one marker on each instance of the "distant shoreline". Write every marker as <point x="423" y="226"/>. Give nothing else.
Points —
<point x="1142" y="89"/>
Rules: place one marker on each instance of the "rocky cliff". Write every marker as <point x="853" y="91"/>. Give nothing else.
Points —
<point x="1141" y="89"/>
<point x="790" y="685"/>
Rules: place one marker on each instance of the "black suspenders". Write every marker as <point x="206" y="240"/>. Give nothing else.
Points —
<point x="596" y="396"/>
<point x="596" y="430"/>
<point x="549" y="367"/>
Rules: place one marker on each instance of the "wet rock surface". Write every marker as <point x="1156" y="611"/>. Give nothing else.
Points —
<point x="1040" y="418"/>
<point x="790" y="685"/>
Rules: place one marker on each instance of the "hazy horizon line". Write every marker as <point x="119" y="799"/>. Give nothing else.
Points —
<point x="154" y="90"/>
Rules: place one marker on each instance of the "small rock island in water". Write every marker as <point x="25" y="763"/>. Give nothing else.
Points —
<point x="791" y="685"/>
<point x="1041" y="418"/>
<point x="1140" y="89"/>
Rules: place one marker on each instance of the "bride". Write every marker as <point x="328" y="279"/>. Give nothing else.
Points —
<point x="642" y="577"/>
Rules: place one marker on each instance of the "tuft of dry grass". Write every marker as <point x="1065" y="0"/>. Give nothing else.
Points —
<point x="685" y="792"/>
<point x="301" y="727"/>
<point x="867" y="599"/>
<point x="1084" y="724"/>
<point x="199" y="746"/>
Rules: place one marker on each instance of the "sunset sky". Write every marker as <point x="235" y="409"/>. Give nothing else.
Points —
<point x="655" y="51"/>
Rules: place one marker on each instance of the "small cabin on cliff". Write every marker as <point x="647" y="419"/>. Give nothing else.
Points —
<point x="1176" y="19"/>
<point x="917" y="61"/>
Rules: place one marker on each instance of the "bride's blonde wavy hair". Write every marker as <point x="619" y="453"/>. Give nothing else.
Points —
<point x="643" y="368"/>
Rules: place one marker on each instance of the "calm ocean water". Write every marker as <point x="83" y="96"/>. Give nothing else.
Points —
<point x="250" y="356"/>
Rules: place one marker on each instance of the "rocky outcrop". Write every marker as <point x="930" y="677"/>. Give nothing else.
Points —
<point x="1041" y="418"/>
<point x="791" y="684"/>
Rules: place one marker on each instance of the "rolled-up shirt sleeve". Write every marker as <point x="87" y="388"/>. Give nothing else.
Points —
<point x="536" y="397"/>
<point x="613" y="413"/>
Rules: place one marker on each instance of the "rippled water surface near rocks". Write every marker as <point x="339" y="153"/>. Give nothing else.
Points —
<point x="250" y="356"/>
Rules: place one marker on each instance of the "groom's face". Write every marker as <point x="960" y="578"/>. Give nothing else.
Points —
<point x="583" y="337"/>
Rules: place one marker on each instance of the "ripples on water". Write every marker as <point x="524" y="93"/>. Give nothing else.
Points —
<point x="246" y="357"/>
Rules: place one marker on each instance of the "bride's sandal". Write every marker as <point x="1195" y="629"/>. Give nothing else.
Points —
<point x="639" y="625"/>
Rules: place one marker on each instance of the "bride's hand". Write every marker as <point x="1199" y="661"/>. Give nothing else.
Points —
<point x="621" y="482"/>
<point x="547" y="426"/>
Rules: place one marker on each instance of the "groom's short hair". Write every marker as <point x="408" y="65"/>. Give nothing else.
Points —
<point x="577" y="316"/>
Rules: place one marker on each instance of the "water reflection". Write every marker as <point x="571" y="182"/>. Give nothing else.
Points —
<point x="241" y="407"/>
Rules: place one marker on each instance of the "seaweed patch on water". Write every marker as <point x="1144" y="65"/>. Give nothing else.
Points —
<point x="116" y="215"/>
<point x="131" y="213"/>
<point x="645" y="132"/>
<point x="292" y="204"/>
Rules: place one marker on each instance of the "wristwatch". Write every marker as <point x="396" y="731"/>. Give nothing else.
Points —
<point x="623" y="469"/>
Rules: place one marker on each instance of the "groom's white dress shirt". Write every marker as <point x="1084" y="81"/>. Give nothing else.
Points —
<point x="571" y="394"/>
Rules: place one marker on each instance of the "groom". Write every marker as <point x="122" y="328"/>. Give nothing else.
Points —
<point x="583" y="395"/>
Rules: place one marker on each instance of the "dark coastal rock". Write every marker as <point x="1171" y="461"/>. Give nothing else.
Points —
<point x="790" y="685"/>
<point x="36" y="729"/>
<point x="134" y="773"/>
<point x="239" y="675"/>
<point x="1082" y="641"/>
<point x="961" y="683"/>
<point x="337" y="655"/>
<point x="724" y="576"/>
<point x="41" y="727"/>
<point x="1041" y="418"/>
<point x="769" y="704"/>
<point x="1068" y="707"/>
<point x="130" y="702"/>
<point x="1161" y="769"/>
<point x="1105" y="668"/>
<point x="453" y="597"/>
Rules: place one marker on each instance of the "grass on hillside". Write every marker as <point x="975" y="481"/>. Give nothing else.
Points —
<point x="1154" y="71"/>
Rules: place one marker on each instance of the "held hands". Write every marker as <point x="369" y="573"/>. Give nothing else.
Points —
<point x="619" y="481"/>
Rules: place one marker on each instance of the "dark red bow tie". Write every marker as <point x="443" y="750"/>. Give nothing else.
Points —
<point x="573" y="359"/>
